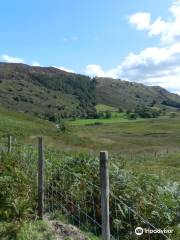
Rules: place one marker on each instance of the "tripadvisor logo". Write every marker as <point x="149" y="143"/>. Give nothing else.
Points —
<point x="139" y="231"/>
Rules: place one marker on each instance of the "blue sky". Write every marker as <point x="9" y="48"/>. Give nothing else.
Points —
<point x="95" y="37"/>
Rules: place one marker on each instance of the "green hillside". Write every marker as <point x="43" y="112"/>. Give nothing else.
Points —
<point x="129" y="95"/>
<point x="19" y="124"/>
<point x="103" y="108"/>
<point x="46" y="92"/>
<point x="50" y="93"/>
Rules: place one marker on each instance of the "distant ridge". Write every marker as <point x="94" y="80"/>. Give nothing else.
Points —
<point x="50" y="93"/>
<point x="128" y="95"/>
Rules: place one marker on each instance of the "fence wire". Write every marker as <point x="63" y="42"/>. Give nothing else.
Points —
<point x="75" y="196"/>
<point x="71" y="194"/>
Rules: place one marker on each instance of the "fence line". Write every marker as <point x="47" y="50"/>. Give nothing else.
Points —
<point x="55" y="193"/>
<point x="104" y="176"/>
<point x="40" y="178"/>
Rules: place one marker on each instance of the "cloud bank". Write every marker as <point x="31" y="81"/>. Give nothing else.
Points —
<point x="159" y="65"/>
<point x="10" y="59"/>
<point x="36" y="64"/>
<point x="64" y="69"/>
<point x="169" y="31"/>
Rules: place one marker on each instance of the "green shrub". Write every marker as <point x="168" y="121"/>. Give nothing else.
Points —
<point x="108" y="115"/>
<point x="132" y="116"/>
<point x="128" y="111"/>
<point x="120" y="110"/>
<point x="62" y="125"/>
<point x="173" y="114"/>
<point x="76" y="175"/>
<point x="100" y="115"/>
<point x="95" y="124"/>
<point x="147" y="112"/>
<point x="18" y="191"/>
<point x="37" y="230"/>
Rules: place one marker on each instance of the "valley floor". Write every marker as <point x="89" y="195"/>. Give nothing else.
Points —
<point x="145" y="151"/>
<point x="148" y="138"/>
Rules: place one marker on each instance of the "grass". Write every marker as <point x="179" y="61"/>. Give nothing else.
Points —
<point x="116" y="118"/>
<point x="84" y="122"/>
<point x="133" y="137"/>
<point x="151" y="146"/>
<point x="165" y="166"/>
<point x="19" y="124"/>
<point x="103" y="108"/>
<point x="29" y="230"/>
<point x="56" y="215"/>
<point x="116" y="135"/>
<point x="38" y="230"/>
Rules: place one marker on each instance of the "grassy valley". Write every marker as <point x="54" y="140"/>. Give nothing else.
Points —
<point x="143" y="141"/>
<point x="50" y="93"/>
<point x="144" y="164"/>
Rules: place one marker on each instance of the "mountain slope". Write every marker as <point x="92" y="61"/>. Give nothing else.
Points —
<point x="129" y="95"/>
<point x="45" y="92"/>
<point x="51" y="93"/>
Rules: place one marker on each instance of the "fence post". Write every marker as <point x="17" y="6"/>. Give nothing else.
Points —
<point x="104" y="181"/>
<point x="40" y="178"/>
<point x="9" y="143"/>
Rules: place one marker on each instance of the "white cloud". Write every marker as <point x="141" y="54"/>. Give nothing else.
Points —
<point x="152" y="66"/>
<point x="168" y="30"/>
<point x="140" y="20"/>
<point x="159" y="65"/>
<point x="94" y="70"/>
<point x="64" y="69"/>
<point x="36" y="64"/>
<point x="10" y="59"/>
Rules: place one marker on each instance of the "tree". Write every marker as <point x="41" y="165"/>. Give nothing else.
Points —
<point x="120" y="110"/>
<point x="108" y="114"/>
<point x="128" y="111"/>
<point x="132" y="116"/>
<point x="147" y="112"/>
<point x="100" y="115"/>
<point x="62" y="125"/>
<point x="173" y="114"/>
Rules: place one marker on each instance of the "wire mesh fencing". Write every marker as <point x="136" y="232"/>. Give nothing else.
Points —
<point x="77" y="195"/>
<point x="74" y="197"/>
<point x="125" y="223"/>
<point x="72" y="189"/>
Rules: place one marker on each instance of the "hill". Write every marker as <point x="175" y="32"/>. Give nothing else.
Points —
<point x="20" y="124"/>
<point x="128" y="95"/>
<point x="50" y="93"/>
<point x="46" y="92"/>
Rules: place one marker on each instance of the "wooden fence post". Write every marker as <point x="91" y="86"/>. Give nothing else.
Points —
<point x="9" y="143"/>
<point x="40" y="178"/>
<point x="104" y="181"/>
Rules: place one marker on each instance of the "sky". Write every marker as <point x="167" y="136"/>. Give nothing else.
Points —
<point x="135" y="40"/>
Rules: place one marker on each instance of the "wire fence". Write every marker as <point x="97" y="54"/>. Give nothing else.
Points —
<point x="78" y="196"/>
<point x="79" y="200"/>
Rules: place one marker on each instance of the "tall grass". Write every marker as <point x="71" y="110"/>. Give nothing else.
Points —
<point x="155" y="198"/>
